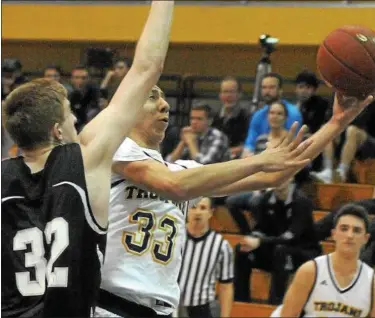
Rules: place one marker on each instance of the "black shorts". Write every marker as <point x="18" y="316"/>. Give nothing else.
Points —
<point x="120" y="307"/>
<point x="367" y="150"/>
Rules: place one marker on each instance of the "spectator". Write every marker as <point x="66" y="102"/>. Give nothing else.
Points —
<point x="233" y="119"/>
<point x="282" y="240"/>
<point x="238" y="203"/>
<point x="325" y="225"/>
<point x="271" y="91"/>
<point x="54" y="72"/>
<point x="171" y="140"/>
<point x="314" y="108"/>
<point x="359" y="143"/>
<point x="11" y="76"/>
<point x="113" y="77"/>
<point x="199" y="141"/>
<point x="85" y="95"/>
<point x="212" y="259"/>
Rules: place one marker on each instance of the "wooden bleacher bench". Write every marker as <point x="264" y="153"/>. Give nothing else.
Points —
<point x="365" y="171"/>
<point x="330" y="196"/>
<point x="260" y="280"/>
<point x="251" y="310"/>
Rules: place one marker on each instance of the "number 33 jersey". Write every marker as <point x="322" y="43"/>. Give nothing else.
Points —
<point x="146" y="235"/>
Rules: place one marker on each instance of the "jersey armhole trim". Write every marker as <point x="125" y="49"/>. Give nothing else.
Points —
<point x="313" y="285"/>
<point x="89" y="216"/>
<point x="11" y="198"/>
<point x="116" y="183"/>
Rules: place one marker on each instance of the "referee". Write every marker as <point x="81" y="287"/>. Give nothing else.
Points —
<point x="207" y="258"/>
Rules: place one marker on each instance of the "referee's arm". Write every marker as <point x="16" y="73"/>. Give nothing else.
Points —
<point x="226" y="280"/>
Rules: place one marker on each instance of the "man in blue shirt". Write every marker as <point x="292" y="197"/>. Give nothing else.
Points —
<point x="271" y="92"/>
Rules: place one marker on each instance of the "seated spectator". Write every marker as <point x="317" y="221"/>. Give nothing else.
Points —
<point x="324" y="226"/>
<point x="271" y="91"/>
<point x="11" y="76"/>
<point x="171" y="140"/>
<point x="276" y="117"/>
<point x="283" y="239"/>
<point x="359" y="144"/>
<point x="199" y="141"/>
<point x="84" y="97"/>
<point x="53" y="72"/>
<point x="314" y="108"/>
<point x="114" y="77"/>
<point x="233" y="119"/>
<point x="212" y="257"/>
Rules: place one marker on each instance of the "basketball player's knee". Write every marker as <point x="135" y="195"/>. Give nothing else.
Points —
<point x="355" y="134"/>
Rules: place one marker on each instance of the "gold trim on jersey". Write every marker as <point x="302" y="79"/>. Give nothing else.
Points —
<point x="146" y="233"/>
<point x="143" y="222"/>
<point x="156" y="244"/>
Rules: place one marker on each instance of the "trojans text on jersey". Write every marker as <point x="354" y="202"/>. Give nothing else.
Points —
<point x="338" y="307"/>
<point x="133" y="192"/>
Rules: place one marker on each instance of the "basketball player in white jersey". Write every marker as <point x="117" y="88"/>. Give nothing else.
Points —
<point x="149" y="198"/>
<point x="337" y="284"/>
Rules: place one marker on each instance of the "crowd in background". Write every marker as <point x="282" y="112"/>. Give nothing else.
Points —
<point x="284" y="234"/>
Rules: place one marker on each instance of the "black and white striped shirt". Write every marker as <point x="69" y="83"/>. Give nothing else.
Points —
<point x="206" y="259"/>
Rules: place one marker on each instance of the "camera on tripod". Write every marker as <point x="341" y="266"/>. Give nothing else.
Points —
<point x="268" y="43"/>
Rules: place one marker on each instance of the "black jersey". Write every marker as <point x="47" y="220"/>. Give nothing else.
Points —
<point x="52" y="247"/>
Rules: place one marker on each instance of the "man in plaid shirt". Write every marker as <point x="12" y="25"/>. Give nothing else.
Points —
<point x="199" y="141"/>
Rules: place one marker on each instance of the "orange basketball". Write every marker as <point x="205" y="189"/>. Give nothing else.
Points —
<point x="346" y="60"/>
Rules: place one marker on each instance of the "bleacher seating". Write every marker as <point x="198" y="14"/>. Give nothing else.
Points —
<point x="327" y="198"/>
<point x="365" y="171"/>
<point x="251" y="310"/>
<point x="330" y="196"/>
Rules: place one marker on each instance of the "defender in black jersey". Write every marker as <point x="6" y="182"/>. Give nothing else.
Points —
<point x="50" y="237"/>
<point x="55" y="196"/>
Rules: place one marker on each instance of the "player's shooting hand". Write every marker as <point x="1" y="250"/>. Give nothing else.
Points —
<point x="285" y="154"/>
<point x="347" y="108"/>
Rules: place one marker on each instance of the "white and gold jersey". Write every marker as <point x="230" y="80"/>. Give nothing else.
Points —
<point x="328" y="299"/>
<point x="146" y="236"/>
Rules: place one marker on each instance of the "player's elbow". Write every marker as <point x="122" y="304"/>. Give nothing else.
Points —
<point x="173" y="190"/>
<point x="150" y="67"/>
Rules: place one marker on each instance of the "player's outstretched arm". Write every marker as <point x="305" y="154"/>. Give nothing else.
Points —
<point x="343" y="115"/>
<point x="104" y="134"/>
<point x="299" y="291"/>
<point x="202" y="181"/>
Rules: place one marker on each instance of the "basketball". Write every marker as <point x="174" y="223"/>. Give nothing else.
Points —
<point x="346" y="60"/>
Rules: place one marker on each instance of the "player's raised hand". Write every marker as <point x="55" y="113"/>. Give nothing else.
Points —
<point x="285" y="154"/>
<point x="347" y="108"/>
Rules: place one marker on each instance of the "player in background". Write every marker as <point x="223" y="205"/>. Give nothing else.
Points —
<point x="337" y="284"/>
<point x="55" y="196"/>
